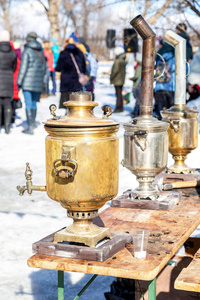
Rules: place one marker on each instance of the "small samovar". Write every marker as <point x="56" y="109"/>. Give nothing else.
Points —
<point x="145" y="137"/>
<point x="183" y="129"/>
<point x="82" y="159"/>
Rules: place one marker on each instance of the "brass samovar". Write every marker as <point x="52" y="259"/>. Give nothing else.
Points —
<point x="183" y="129"/>
<point x="145" y="137"/>
<point x="82" y="158"/>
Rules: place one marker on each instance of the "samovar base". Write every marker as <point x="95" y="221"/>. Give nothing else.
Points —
<point x="165" y="201"/>
<point x="179" y="166"/>
<point x="88" y="239"/>
<point x="82" y="230"/>
<point x="145" y="195"/>
<point x="145" y="190"/>
<point x="180" y="170"/>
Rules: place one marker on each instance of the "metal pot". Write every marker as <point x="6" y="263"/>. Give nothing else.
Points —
<point x="145" y="138"/>
<point x="145" y="153"/>
<point x="82" y="158"/>
<point x="183" y="135"/>
<point x="183" y="129"/>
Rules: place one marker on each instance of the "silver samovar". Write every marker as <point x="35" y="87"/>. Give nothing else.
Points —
<point x="183" y="129"/>
<point x="145" y="137"/>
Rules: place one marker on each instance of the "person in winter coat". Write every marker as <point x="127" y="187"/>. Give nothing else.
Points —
<point x="48" y="53"/>
<point x="8" y="63"/>
<point x="16" y="47"/>
<point x="69" y="81"/>
<point x="30" y="77"/>
<point x="193" y="79"/>
<point x="165" y="85"/>
<point x="56" y="52"/>
<point x="117" y="76"/>
<point x="137" y="84"/>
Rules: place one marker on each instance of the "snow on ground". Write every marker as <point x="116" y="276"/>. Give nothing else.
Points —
<point x="24" y="220"/>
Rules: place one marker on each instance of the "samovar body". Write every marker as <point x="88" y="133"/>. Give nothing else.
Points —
<point x="183" y="135"/>
<point x="95" y="151"/>
<point x="82" y="161"/>
<point x="145" y="153"/>
<point x="183" y="129"/>
<point x="145" y="137"/>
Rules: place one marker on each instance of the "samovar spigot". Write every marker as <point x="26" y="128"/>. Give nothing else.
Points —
<point x="29" y="187"/>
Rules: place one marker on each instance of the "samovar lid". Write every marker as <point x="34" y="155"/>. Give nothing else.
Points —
<point x="149" y="124"/>
<point x="80" y="113"/>
<point x="181" y="111"/>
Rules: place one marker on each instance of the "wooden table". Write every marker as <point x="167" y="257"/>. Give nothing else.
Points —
<point x="189" y="278"/>
<point x="168" y="232"/>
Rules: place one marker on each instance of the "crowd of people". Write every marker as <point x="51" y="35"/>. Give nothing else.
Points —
<point x="29" y="72"/>
<point x="28" y="69"/>
<point x="164" y="86"/>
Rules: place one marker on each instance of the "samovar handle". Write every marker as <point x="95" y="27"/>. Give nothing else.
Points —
<point x="188" y="71"/>
<point x="65" y="173"/>
<point x="140" y="138"/>
<point x="164" y="66"/>
<point x="107" y="111"/>
<point x="175" y="124"/>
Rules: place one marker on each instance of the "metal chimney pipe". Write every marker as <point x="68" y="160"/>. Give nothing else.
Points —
<point x="148" y="59"/>
<point x="179" y="43"/>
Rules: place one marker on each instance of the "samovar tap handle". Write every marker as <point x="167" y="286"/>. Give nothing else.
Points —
<point x="21" y="189"/>
<point x="29" y="187"/>
<point x="52" y="109"/>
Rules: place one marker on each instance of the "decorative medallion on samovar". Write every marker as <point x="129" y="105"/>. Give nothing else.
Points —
<point x="183" y="129"/>
<point x="81" y="167"/>
<point x="145" y="137"/>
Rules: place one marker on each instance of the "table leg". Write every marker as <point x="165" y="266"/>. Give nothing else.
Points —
<point x="85" y="287"/>
<point x="60" y="285"/>
<point x="152" y="289"/>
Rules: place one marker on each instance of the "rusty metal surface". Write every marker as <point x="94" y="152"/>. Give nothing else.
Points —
<point x="148" y="58"/>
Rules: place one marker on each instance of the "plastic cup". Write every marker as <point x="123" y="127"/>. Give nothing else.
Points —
<point x="140" y="242"/>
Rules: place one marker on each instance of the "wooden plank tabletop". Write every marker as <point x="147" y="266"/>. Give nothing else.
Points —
<point x="168" y="232"/>
<point x="189" y="278"/>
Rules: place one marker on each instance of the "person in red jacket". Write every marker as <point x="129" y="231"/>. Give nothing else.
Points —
<point x="16" y="47"/>
<point x="48" y="53"/>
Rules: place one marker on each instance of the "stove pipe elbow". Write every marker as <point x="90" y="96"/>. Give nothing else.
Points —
<point x="179" y="44"/>
<point x="148" y="59"/>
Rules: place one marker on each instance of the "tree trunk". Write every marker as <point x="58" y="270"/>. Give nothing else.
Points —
<point x="85" y="20"/>
<point x="5" y="6"/>
<point x="52" y="14"/>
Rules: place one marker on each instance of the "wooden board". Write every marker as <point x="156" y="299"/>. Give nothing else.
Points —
<point x="166" y="201"/>
<point x="102" y="252"/>
<point x="179" y="177"/>
<point x="168" y="232"/>
<point x="189" y="278"/>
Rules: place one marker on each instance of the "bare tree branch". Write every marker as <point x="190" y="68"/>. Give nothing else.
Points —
<point x="192" y="27"/>
<point x="192" y="7"/>
<point x="159" y="12"/>
<point x="43" y="5"/>
<point x="146" y="8"/>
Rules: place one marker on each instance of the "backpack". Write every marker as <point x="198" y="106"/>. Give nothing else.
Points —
<point x="167" y="75"/>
